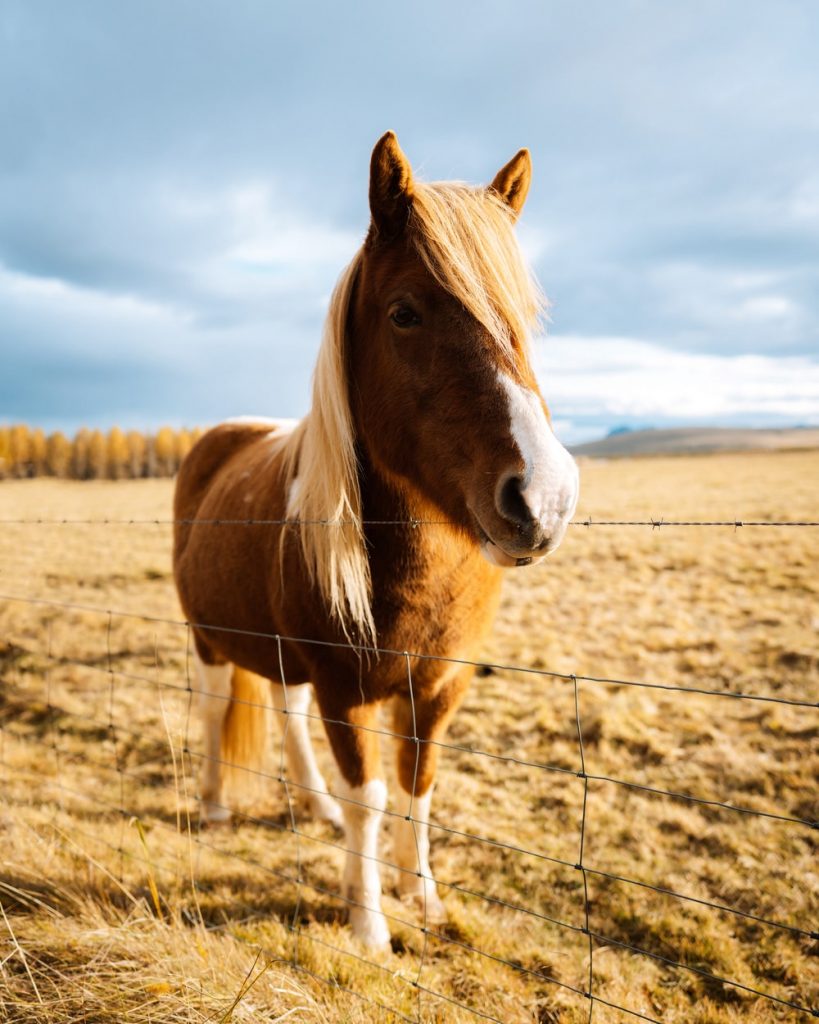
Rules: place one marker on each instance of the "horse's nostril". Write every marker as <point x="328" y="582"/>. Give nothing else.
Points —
<point x="511" y="503"/>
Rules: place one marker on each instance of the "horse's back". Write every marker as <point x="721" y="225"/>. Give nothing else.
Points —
<point x="229" y="489"/>
<point x="212" y="455"/>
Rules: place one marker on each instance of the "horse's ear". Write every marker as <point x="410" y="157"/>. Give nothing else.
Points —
<point x="512" y="181"/>
<point x="390" y="186"/>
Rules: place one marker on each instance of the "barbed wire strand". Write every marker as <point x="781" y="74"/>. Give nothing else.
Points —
<point x="589" y="521"/>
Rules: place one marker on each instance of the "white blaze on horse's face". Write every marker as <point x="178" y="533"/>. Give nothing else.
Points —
<point x="535" y="499"/>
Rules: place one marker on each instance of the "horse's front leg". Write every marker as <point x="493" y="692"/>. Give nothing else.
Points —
<point x="363" y="799"/>
<point x="418" y="720"/>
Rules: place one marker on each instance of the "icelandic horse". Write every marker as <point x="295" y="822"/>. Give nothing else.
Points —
<point x="426" y="464"/>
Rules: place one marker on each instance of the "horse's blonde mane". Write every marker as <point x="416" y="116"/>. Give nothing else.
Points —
<point x="320" y="456"/>
<point x="465" y="238"/>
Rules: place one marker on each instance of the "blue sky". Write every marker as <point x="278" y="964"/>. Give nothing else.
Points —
<point x="181" y="182"/>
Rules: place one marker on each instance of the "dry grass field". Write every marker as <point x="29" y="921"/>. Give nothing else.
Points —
<point x="115" y="907"/>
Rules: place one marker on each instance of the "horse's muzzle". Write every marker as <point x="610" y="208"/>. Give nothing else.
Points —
<point x="526" y="522"/>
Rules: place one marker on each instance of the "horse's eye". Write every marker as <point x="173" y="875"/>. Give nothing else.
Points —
<point x="405" y="316"/>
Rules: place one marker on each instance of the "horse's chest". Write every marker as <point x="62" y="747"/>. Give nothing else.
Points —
<point x="439" y="609"/>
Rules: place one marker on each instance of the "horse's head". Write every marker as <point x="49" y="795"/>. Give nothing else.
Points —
<point x="443" y="392"/>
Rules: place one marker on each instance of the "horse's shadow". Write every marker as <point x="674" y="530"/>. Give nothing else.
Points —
<point x="21" y="895"/>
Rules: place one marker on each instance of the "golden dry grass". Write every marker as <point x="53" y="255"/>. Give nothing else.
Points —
<point x="102" y="919"/>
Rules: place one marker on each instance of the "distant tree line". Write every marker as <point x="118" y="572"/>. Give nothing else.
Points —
<point x="92" y="454"/>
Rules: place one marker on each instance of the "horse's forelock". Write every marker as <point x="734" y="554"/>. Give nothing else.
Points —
<point x="465" y="237"/>
<point x="321" y="455"/>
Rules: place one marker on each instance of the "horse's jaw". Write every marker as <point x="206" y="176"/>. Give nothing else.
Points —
<point x="495" y="555"/>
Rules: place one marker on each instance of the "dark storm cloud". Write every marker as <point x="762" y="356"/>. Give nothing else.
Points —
<point x="188" y="180"/>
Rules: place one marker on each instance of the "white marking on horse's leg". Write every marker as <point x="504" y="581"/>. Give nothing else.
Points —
<point x="213" y="698"/>
<point x="411" y="853"/>
<point x="298" y="748"/>
<point x="363" y="808"/>
<point x="551" y="482"/>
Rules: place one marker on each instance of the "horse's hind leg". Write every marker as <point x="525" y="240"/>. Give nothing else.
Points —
<point x="292" y="704"/>
<point x="417" y="761"/>
<point x="213" y="689"/>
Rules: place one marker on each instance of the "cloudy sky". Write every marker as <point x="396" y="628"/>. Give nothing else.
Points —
<point x="181" y="182"/>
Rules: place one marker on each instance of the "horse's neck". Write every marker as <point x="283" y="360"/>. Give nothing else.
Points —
<point x="384" y="499"/>
<point x="403" y="528"/>
<point x="432" y="589"/>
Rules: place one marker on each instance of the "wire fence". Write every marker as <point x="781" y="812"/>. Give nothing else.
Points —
<point x="113" y="734"/>
<point x="655" y="524"/>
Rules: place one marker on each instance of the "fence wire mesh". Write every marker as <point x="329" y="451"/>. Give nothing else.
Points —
<point x="77" y="706"/>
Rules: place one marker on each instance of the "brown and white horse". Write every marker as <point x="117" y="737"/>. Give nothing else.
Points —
<point x="425" y="408"/>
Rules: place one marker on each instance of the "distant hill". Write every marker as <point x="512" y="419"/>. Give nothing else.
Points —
<point x="692" y="440"/>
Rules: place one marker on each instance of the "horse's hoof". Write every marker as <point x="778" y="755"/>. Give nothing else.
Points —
<point x="434" y="912"/>
<point x="422" y="893"/>
<point x="212" y="815"/>
<point x="370" y="928"/>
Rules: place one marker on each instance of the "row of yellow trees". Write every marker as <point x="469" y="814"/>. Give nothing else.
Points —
<point x="92" y="454"/>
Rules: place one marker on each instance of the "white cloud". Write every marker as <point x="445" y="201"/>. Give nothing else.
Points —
<point x="607" y="379"/>
<point x="804" y="202"/>
<point x="250" y="250"/>
<point x="269" y="236"/>
<point x="765" y="307"/>
<point x="28" y="289"/>
<point x="86" y="320"/>
<point x="730" y="309"/>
